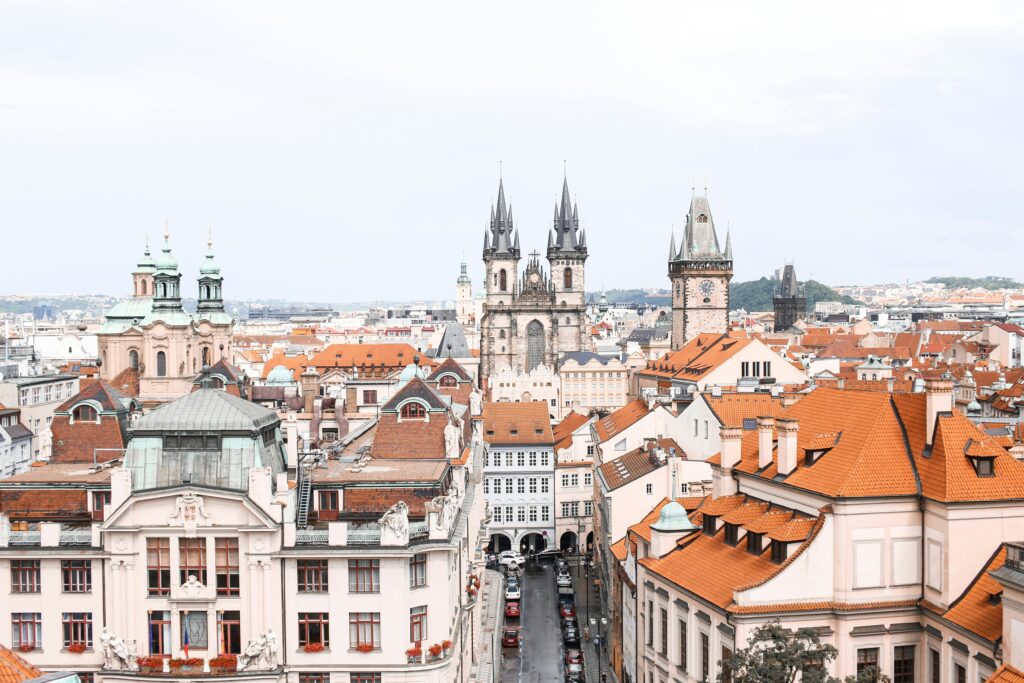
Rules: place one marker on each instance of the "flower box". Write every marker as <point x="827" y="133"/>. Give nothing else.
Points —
<point x="447" y="645"/>
<point x="414" y="654"/>
<point x="186" y="665"/>
<point x="149" y="664"/>
<point x="224" y="664"/>
<point x="364" y="647"/>
<point x="435" y="650"/>
<point x="314" y="647"/>
<point x="76" y="648"/>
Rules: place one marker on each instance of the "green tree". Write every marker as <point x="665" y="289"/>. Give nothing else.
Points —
<point x="777" y="655"/>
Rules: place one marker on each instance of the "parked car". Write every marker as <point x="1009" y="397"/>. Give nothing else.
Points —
<point x="565" y="596"/>
<point x="567" y="610"/>
<point x="512" y="592"/>
<point x="563" y="580"/>
<point x="512" y="610"/>
<point x="574" y="672"/>
<point x="562" y="563"/>
<point x="512" y="580"/>
<point x="549" y="555"/>
<point x="569" y="622"/>
<point x="511" y="557"/>
<point x="510" y="637"/>
<point x="571" y="636"/>
<point x="573" y="656"/>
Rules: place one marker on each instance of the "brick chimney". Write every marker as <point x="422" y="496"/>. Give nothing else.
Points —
<point x="310" y="387"/>
<point x="788" y="429"/>
<point x="938" y="398"/>
<point x="764" y="441"/>
<point x="732" y="443"/>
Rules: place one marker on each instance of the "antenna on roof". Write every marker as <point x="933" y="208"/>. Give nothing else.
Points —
<point x="499" y="169"/>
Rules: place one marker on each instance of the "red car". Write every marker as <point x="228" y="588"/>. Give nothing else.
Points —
<point x="510" y="637"/>
<point x="567" y="610"/>
<point x="512" y="609"/>
<point x="573" y="657"/>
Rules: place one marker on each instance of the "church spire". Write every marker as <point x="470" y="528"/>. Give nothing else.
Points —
<point x="701" y="240"/>
<point x="500" y="240"/>
<point x="566" y="226"/>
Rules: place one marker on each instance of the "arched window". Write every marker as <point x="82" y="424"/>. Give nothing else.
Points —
<point x="144" y="288"/>
<point x="503" y="280"/>
<point x="133" y="359"/>
<point x="84" y="413"/>
<point x="534" y="345"/>
<point x="206" y="355"/>
<point x="702" y="218"/>
<point x="217" y="383"/>
<point x="501" y="334"/>
<point x="161" y="364"/>
<point x="567" y="278"/>
<point x="163" y="289"/>
<point x="413" y="411"/>
<point x="448" y="381"/>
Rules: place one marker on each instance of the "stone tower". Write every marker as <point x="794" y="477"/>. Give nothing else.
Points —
<point x="700" y="272"/>
<point x="212" y="323"/>
<point x="567" y="252"/>
<point x="790" y="302"/>
<point x="464" y="298"/>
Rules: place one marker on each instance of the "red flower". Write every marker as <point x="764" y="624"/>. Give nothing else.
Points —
<point x="414" y="652"/>
<point x="435" y="650"/>
<point x="77" y="648"/>
<point x="26" y="647"/>
<point x="314" y="647"/>
<point x="447" y="645"/>
<point x="365" y="647"/>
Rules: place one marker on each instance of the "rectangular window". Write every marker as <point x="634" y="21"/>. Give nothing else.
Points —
<point x="867" y="658"/>
<point x="328" y="509"/>
<point x="192" y="559"/>
<point x="574" y="480"/>
<point x="194" y="626"/>
<point x="520" y="485"/>
<point x="533" y="513"/>
<point x="26" y="630"/>
<point x="757" y="368"/>
<point x="903" y="664"/>
<point x="364" y="629"/>
<point x="520" y="459"/>
<point x="650" y="623"/>
<point x="226" y="551"/>
<point x="726" y="676"/>
<point x="312" y="576"/>
<point x="364" y="576"/>
<point x="590" y="450"/>
<point x="682" y="645"/>
<point x="158" y="559"/>
<point x="508" y="459"/>
<point x="418" y="570"/>
<point x="76" y="575"/>
<point x="664" y="631"/>
<point x="533" y="459"/>
<point x="159" y="633"/>
<point x="520" y="513"/>
<point x="544" y="513"/>
<point x="487" y="485"/>
<point x="705" y="656"/>
<point x="533" y="484"/>
<point x="363" y="678"/>
<point x="314" y="677"/>
<point x="588" y="508"/>
<point x="936" y="664"/>
<point x="745" y="369"/>
<point x="779" y="552"/>
<point x="959" y="673"/>
<point x="100" y="501"/>
<point x="314" y="629"/>
<point x="77" y="628"/>
<point x="543" y="459"/>
<point x="544" y="485"/>
<point x="370" y="397"/>
<point x="229" y="633"/>
<point x="588" y="479"/>
<point x="649" y="489"/>
<point x="767" y="368"/>
<point x="25" y="576"/>
<point x="418" y="624"/>
<point x="508" y="485"/>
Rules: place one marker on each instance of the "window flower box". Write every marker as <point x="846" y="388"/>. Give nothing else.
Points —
<point x="224" y="664"/>
<point x="313" y="647"/>
<point x="151" y="664"/>
<point x="76" y="648"/>
<point x="186" y="666"/>
<point x="364" y="647"/>
<point x="446" y="646"/>
<point x="435" y="650"/>
<point x="26" y="648"/>
<point x="414" y="655"/>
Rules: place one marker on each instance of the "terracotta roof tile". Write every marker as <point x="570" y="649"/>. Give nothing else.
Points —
<point x="748" y="512"/>
<point x="14" y="669"/>
<point x="43" y="504"/>
<point x="797" y="529"/>
<point x="629" y="467"/>
<point x="375" y="501"/>
<point x="829" y="606"/>
<point x="1006" y="674"/>
<point x="732" y="409"/>
<point x="517" y="423"/>
<point x="973" y="610"/>
<point x="563" y="430"/>
<point x="621" y="419"/>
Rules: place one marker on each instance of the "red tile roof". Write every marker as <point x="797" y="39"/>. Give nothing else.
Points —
<point x="974" y="610"/>
<point x="562" y="432"/>
<point x="621" y="419"/>
<point x="1006" y="674"/>
<point x="526" y="423"/>
<point x="14" y="669"/>
<point x="733" y="408"/>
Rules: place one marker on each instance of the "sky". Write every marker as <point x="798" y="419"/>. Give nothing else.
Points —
<point x="350" y="151"/>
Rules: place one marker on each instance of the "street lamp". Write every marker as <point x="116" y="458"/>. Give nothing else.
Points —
<point x="601" y="625"/>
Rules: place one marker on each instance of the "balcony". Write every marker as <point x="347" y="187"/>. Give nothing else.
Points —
<point x="49" y="535"/>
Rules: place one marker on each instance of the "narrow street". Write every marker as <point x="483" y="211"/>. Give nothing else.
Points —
<point x="539" y="658"/>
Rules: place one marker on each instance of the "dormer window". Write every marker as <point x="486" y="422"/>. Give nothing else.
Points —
<point x="413" y="411"/>
<point x="84" y="413"/>
<point x="448" y="381"/>
<point x="780" y="551"/>
<point x="811" y="456"/>
<point x="755" y="543"/>
<point x="731" y="533"/>
<point x="709" y="523"/>
<point x="983" y="467"/>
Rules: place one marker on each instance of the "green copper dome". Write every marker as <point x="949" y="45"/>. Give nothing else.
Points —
<point x="209" y="266"/>
<point x="165" y="262"/>
<point x="146" y="264"/>
<point x="280" y="375"/>
<point x="673" y="517"/>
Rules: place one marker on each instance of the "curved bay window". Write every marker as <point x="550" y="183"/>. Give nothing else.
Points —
<point x="161" y="364"/>
<point x="413" y="411"/>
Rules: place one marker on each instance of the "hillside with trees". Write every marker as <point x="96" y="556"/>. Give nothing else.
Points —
<point x="990" y="282"/>
<point x="756" y="295"/>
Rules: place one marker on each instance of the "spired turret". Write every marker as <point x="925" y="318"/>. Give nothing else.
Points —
<point x="501" y="243"/>
<point x="789" y="302"/>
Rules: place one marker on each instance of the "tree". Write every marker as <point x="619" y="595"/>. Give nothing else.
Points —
<point x="778" y="655"/>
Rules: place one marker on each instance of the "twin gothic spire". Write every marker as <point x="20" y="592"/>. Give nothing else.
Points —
<point x="501" y="238"/>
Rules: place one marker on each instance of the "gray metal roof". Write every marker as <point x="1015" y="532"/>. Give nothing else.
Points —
<point x="207" y="410"/>
<point x="453" y="342"/>
<point x="154" y="467"/>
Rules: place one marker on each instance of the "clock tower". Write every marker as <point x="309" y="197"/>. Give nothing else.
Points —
<point x="699" y="271"/>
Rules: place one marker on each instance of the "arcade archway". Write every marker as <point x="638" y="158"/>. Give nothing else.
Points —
<point x="499" y="543"/>
<point x="533" y="543"/>
<point x="568" y="541"/>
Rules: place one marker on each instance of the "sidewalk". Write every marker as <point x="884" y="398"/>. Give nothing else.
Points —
<point x="588" y="606"/>
<point x="490" y="619"/>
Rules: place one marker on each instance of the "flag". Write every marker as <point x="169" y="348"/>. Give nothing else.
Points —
<point x="184" y="634"/>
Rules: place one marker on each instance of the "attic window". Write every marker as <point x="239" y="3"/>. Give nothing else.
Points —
<point x="84" y="413"/>
<point x="448" y="381"/>
<point x="191" y="442"/>
<point x="754" y="543"/>
<point x="731" y="534"/>
<point x="413" y="411"/>
<point x="779" y="552"/>
<point x="513" y="431"/>
<point x="538" y="431"/>
<point x="983" y="467"/>
<point x="709" y="524"/>
<point x="490" y="432"/>
<point x="811" y="456"/>
<point x="995" y="598"/>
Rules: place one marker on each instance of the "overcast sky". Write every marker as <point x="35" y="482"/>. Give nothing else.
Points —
<point x="349" y="151"/>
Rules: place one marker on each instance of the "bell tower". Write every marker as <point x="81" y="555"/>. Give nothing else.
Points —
<point x="567" y="252"/>
<point x="700" y="272"/>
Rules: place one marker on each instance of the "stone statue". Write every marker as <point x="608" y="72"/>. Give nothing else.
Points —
<point x="445" y="509"/>
<point x="253" y="656"/>
<point x="394" y="525"/>
<point x="270" y="653"/>
<point x="192" y="588"/>
<point x="476" y="401"/>
<point x="452" y="440"/>
<point x="116" y="655"/>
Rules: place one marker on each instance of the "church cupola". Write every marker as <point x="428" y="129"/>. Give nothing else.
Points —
<point x="166" y="279"/>
<point x="210" y="281"/>
<point x="142" y="278"/>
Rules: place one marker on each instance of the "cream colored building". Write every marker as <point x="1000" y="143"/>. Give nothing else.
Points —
<point x="592" y="382"/>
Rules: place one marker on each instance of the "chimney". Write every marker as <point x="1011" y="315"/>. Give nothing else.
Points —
<point x="938" y="398"/>
<point x="716" y="391"/>
<point x="788" y="400"/>
<point x="764" y="441"/>
<point x="787" y="444"/>
<point x="732" y="442"/>
<point x="310" y="388"/>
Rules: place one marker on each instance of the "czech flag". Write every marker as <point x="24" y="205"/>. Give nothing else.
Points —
<point x="184" y="635"/>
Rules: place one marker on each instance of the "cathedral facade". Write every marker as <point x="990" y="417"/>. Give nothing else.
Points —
<point x="532" y="319"/>
<point x="699" y="271"/>
<point x="151" y="337"/>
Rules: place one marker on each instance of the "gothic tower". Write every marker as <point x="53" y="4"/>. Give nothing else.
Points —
<point x="789" y="302"/>
<point x="700" y="273"/>
<point x="501" y="266"/>
<point x="567" y="252"/>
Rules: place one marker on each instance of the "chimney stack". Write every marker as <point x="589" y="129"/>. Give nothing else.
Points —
<point x="788" y="400"/>
<point x="938" y="398"/>
<point x="732" y="443"/>
<point x="764" y="441"/>
<point x="787" y="444"/>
